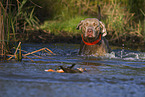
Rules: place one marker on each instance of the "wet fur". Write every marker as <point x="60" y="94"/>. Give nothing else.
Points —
<point x="99" y="49"/>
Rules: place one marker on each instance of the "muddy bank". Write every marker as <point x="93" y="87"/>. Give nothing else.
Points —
<point x="42" y="37"/>
<point x="132" y="42"/>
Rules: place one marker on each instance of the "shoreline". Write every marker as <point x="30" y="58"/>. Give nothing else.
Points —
<point x="42" y="37"/>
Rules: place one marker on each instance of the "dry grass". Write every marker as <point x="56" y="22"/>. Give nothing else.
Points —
<point x="120" y="22"/>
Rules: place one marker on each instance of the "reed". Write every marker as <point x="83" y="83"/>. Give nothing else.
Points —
<point x="14" y="17"/>
<point x="2" y="43"/>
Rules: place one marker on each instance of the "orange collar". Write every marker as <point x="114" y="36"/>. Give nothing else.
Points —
<point x="94" y="42"/>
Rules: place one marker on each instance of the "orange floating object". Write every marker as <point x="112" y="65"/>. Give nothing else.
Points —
<point x="50" y="70"/>
<point x="60" y="71"/>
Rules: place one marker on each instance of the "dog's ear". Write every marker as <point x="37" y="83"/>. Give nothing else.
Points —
<point x="99" y="13"/>
<point x="80" y="25"/>
<point x="104" y="32"/>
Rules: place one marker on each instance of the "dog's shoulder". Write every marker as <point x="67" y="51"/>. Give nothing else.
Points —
<point x="106" y="44"/>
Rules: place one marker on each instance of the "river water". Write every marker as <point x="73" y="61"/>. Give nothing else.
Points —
<point x="120" y="74"/>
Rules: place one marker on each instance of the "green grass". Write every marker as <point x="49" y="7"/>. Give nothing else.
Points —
<point x="58" y="27"/>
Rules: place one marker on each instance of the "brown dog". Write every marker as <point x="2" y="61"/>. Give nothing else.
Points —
<point x="93" y="40"/>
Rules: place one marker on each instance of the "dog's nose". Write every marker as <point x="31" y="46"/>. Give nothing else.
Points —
<point x="90" y="30"/>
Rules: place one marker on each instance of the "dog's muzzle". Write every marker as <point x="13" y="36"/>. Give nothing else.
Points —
<point x="90" y="32"/>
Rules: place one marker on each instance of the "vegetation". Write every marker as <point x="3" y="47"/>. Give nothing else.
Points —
<point x="14" y="18"/>
<point x="124" y="19"/>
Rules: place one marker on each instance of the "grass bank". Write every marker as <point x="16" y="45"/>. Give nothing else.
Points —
<point x="120" y="23"/>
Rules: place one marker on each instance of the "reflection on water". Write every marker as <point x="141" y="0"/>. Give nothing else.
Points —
<point x="121" y="74"/>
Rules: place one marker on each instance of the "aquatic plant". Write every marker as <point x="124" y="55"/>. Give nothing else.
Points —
<point x="14" y="17"/>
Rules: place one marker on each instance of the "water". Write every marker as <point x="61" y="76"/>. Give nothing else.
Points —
<point x="120" y="74"/>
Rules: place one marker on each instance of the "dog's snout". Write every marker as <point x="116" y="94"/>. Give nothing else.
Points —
<point x="90" y="30"/>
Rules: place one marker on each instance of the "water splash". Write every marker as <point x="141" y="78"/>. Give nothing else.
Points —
<point x="122" y="50"/>
<point x="73" y="49"/>
<point x="110" y="55"/>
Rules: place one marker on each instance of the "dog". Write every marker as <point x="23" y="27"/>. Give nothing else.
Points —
<point x="93" y="37"/>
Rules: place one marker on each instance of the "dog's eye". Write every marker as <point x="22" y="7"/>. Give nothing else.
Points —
<point x="94" y="24"/>
<point x="86" y="24"/>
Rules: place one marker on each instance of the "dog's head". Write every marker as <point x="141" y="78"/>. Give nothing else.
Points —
<point x="91" y="27"/>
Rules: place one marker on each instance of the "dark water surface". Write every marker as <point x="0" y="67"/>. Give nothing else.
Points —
<point x="120" y="74"/>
